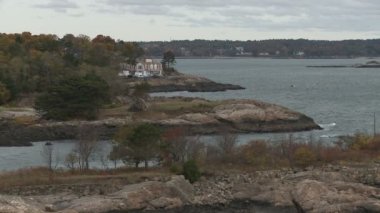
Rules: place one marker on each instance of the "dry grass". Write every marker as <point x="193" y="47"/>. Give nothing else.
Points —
<point x="25" y="120"/>
<point x="115" y="112"/>
<point x="43" y="176"/>
<point x="162" y="108"/>
<point x="179" y="106"/>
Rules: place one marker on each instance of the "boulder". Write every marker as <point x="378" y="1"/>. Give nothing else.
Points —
<point x="143" y="196"/>
<point x="315" y="196"/>
<point x="11" y="204"/>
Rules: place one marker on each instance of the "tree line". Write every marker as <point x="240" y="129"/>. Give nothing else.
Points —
<point x="274" y="48"/>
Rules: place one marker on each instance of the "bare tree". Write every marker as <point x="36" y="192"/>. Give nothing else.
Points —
<point x="288" y="147"/>
<point x="226" y="142"/>
<point x="71" y="160"/>
<point x="180" y="148"/>
<point x="47" y="154"/>
<point x="195" y="149"/>
<point x="86" y="147"/>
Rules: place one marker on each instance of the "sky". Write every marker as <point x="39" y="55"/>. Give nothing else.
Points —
<point x="164" y="20"/>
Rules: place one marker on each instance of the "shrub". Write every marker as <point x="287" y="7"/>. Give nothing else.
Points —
<point x="191" y="171"/>
<point x="304" y="156"/>
<point x="257" y="153"/>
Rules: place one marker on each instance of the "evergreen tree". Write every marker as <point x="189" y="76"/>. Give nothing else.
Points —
<point x="73" y="97"/>
<point x="168" y="59"/>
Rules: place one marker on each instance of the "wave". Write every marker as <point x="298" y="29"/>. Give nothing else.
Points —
<point x="327" y="126"/>
<point x="329" y="136"/>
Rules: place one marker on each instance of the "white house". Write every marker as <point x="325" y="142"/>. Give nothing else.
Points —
<point x="143" y="68"/>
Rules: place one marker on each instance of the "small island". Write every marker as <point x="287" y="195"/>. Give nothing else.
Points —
<point x="197" y="116"/>
<point x="369" y="64"/>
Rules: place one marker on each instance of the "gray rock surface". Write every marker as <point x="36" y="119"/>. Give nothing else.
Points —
<point x="325" y="189"/>
<point x="143" y="196"/>
<point x="11" y="204"/>
<point x="242" y="116"/>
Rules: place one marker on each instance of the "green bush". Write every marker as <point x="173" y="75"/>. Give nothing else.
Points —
<point x="191" y="171"/>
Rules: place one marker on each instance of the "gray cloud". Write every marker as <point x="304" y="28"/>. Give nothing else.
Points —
<point x="270" y="15"/>
<point x="61" y="6"/>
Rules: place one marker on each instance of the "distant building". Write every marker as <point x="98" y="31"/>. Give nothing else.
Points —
<point x="143" y="68"/>
<point x="241" y="52"/>
<point x="300" y="53"/>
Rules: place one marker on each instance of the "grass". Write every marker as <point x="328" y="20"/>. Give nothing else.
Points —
<point x="43" y="176"/>
<point x="25" y="120"/>
<point x="116" y="112"/>
<point x="184" y="106"/>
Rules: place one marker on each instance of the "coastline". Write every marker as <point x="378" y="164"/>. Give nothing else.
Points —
<point x="196" y="116"/>
<point x="182" y="82"/>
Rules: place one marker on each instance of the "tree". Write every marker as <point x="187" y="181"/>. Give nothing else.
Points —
<point x="47" y="154"/>
<point x="86" y="147"/>
<point x="71" y="160"/>
<point x="131" y="51"/>
<point x="168" y="59"/>
<point x="178" y="147"/>
<point x="73" y="97"/>
<point x="141" y="143"/>
<point x="227" y="142"/>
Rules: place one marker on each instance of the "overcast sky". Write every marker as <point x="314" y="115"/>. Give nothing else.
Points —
<point x="145" y="20"/>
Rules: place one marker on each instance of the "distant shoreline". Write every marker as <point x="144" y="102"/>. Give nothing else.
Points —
<point x="270" y="57"/>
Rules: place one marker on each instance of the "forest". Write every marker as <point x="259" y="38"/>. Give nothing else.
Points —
<point x="31" y="64"/>
<point x="280" y="48"/>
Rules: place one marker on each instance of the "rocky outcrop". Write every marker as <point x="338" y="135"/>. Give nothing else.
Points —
<point x="241" y="116"/>
<point x="11" y="204"/>
<point x="174" y="193"/>
<point x="182" y="82"/>
<point x="22" y="134"/>
<point x="330" y="189"/>
<point x="325" y="189"/>
<point x="316" y="196"/>
<point x="237" y="116"/>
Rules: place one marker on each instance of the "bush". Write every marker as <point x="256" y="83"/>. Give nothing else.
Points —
<point x="304" y="156"/>
<point x="191" y="171"/>
<point x="257" y="153"/>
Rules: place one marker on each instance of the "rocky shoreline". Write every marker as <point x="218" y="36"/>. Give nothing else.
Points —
<point x="235" y="116"/>
<point x="370" y="64"/>
<point x="183" y="82"/>
<point x="331" y="188"/>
